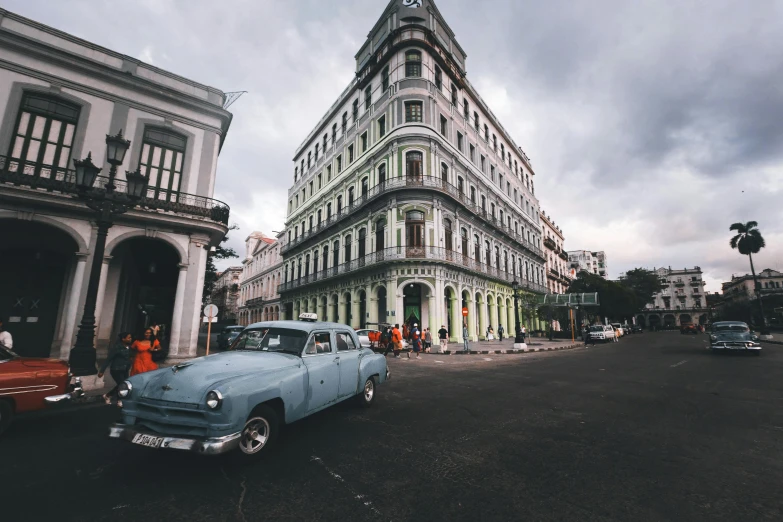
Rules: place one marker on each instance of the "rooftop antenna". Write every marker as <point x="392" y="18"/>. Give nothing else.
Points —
<point x="231" y="97"/>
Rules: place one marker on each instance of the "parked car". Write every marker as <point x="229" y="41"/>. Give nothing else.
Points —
<point x="274" y="373"/>
<point x="602" y="332"/>
<point x="733" y="336"/>
<point x="29" y="384"/>
<point x="227" y="336"/>
<point x="635" y="329"/>
<point x="364" y="337"/>
<point x="689" y="328"/>
<point x="619" y="329"/>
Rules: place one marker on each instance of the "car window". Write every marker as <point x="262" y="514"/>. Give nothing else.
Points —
<point x="596" y="328"/>
<point x="738" y="328"/>
<point x="272" y="340"/>
<point x="344" y="342"/>
<point x="319" y="342"/>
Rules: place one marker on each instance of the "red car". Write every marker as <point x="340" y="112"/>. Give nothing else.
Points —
<point x="29" y="384"/>
<point x="689" y="328"/>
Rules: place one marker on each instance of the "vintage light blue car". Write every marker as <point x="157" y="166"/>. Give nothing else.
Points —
<point x="733" y="336"/>
<point x="275" y="372"/>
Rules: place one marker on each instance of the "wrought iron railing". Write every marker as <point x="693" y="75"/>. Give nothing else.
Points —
<point x="256" y="301"/>
<point x="56" y="179"/>
<point x="418" y="183"/>
<point x="401" y="253"/>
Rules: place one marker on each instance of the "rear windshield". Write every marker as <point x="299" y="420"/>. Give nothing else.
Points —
<point x="271" y="340"/>
<point x="739" y="328"/>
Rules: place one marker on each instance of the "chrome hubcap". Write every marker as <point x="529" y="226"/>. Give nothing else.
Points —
<point x="254" y="436"/>
<point x="369" y="390"/>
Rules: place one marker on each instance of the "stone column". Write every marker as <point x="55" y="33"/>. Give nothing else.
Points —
<point x="179" y="304"/>
<point x="482" y="333"/>
<point x="512" y="320"/>
<point x="356" y="309"/>
<point x="341" y="318"/>
<point x="455" y="335"/>
<point x="372" y="308"/>
<point x="434" y="317"/>
<point x="471" y="319"/>
<point x="73" y="305"/>
<point x="493" y="314"/>
<point x="101" y="293"/>
<point x="321" y="310"/>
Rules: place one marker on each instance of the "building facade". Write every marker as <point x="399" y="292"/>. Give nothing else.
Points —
<point x="410" y="200"/>
<point x="585" y="260"/>
<point x="225" y="294"/>
<point x="558" y="274"/>
<point x="681" y="301"/>
<point x="259" y="299"/>
<point x="59" y="98"/>
<point x="770" y="283"/>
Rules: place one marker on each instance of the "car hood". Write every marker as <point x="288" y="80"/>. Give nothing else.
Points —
<point x="732" y="336"/>
<point x="189" y="382"/>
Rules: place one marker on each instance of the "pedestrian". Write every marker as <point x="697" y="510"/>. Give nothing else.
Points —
<point x="427" y="341"/>
<point x="416" y="340"/>
<point x="119" y="364"/>
<point x="386" y="341"/>
<point x="443" y="336"/>
<point x="465" y="337"/>
<point x="524" y="332"/>
<point x="155" y="329"/>
<point x="589" y="338"/>
<point x="490" y="333"/>
<point x="6" y="339"/>
<point x="406" y="333"/>
<point x="500" y="332"/>
<point x="143" y="361"/>
<point x="397" y="340"/>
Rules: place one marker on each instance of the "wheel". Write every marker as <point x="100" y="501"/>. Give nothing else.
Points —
<point x="6" y="414"/>
<point x="259" y="433"/>
<point x="367" y="395"/>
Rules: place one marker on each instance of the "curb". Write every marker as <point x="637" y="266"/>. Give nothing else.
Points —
<point x="509" y="352"/>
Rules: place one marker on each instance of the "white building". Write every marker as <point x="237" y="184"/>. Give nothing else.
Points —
<point x="59" y="98"/>
<point x="557" y="268"/>
<point x="262" y="269"/>
<point x="410" y="200"/>
<point x="681" y="301"/>
<point x="585" y="260"/>
<point x="770" y="281"/>
<point x="225" y="294"/>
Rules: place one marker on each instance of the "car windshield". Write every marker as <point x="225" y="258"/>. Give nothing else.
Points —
<point x="271" y="340"/>
<point x="596" y="328"/>
<point x="7" y="354"/>
<point x="736" y="328"/>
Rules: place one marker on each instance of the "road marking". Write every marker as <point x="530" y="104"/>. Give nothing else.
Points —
<point x="356" y="495"/>
<point x="487" y="359"/>
<point x="439" y="362"/>
<point x="678" y="364"/>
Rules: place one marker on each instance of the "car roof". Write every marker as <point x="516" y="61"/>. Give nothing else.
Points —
<point x="738" y="323"/>
<point x="304" y="326"/>
<point x="235" y="327"/>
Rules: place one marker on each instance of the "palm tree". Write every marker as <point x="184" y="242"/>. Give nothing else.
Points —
<point x="749" y="241"/>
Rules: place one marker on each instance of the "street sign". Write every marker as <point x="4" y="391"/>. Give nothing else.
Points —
<point x="210" y="316"/>
<point x="464" y="312"/>
<point x="210" y="310"/>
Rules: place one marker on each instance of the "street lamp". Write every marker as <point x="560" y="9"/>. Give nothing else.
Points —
<point x="107" y="204"/>
<point x="578" y="317"/>
<point x="519" y="340"/>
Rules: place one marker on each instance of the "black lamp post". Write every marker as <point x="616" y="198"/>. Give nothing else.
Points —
<point x="578" y="317"/>
<point x="518" y="338"/>
<point x="107" y="204"/>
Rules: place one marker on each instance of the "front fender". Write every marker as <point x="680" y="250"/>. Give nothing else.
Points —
<point x="288" y="384"/>
<point x="372" y="364"/>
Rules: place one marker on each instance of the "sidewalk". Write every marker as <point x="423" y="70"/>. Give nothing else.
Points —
<point x="534" y="344"/>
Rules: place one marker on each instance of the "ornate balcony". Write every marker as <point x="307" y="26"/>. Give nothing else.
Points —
<point x="256" y="301"/>
<point x="418" y="183"/>
<point x="59" y="180"/>
<point x="550" y="243"/>
<point x="418" y="254"/>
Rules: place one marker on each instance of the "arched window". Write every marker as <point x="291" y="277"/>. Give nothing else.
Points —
<point x="345" y="122"/>
<point x="318" y="214"/>
<point x="339" y="204"/>
<point x="307" y="265"/>
<point x="505" y="261"/>
<point x="497" y="258"/>
<point x="315" y="262"/>
<point x="488" y="253"/>
<point x="413" y="162"/>
<point x="44" y="135"/>
<point x="336" y="254"/>
<point x="514" y="265"/>
<point x="162" y="152"/>
<point x="444" y="172"/>
<point x="350" y="196"/>
<point x="328" y="211"/>
<point x="299" y="268"/>
<point x="447" y="234"/>
<point x="347" y="248"/>
<point x="473" y="195"/>
<point x="460" y="186"/>
<point x="492" y="209"/>
<point x="464" y="237"/>
<point x="476" y="249"/>
<point x="365" y="187"/>
<point x="380" y="235"/>
<point x="413" y="64"/>
<point x="362" y="242"/>
<point x="484" y="205"/>
<point x="382" y="174"/>
<point x="414" y="228"/>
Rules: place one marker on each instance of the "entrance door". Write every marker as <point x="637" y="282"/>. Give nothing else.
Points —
<point x="30" y="286"/>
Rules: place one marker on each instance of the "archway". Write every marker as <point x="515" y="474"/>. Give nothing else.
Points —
<point x="703" y="319"/>
<point x="37" y="289"/>
<point x="654" y="321"/>
<point x="685" y="318"/>
<point x="669" y="320"/>
<point x="640" y="320"/>
<point x="412" y="304"/>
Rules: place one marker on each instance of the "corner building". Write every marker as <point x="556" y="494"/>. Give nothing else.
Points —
<point x="410" y="200"/>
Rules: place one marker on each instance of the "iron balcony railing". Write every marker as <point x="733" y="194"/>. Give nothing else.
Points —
<point x="425" y="253"/>
<point x="56" y="179"/>
<point x="256" y="301"/>
<point x="417" y="183"/>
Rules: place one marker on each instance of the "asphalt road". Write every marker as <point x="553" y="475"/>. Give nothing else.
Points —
<point x="652" y="428"/>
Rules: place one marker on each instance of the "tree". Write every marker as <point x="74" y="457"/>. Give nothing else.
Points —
<point x="644" y="284"/>
<point x="211" y="273"/>
<point x="749" y="241"/>
<point x="616" y="301"/>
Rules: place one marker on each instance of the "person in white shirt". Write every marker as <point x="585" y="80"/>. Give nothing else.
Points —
<point x="5" y="337"/>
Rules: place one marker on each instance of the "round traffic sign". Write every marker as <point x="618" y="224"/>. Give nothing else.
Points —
<point x="210" y="310"/>
<point x="465" y="312"/>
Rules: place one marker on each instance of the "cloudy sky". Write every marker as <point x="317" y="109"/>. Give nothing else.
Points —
<point x="652" y="125"/>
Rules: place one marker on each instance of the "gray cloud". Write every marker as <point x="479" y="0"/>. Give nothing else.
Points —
<point x="645" y="121"/>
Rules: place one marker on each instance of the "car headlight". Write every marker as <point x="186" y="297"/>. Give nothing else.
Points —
<point x="713" y="337"/>
<point x="125" y="388"/>
<point x="214" y="400"/>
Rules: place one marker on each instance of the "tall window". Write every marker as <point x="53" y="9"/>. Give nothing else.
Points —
<point x="454" y="99"/>
<point x="347" y="248"/>
<point x="309" y="159"/>
<point x="367" y="97"/>
<point x="473" y="195"/>
<point x="476" y="249"/>
<point x="460" y="142"/>
<point x="325" y="260"/>
<point x="486" y="133"/>
<point x="355" y="110"/>
<point x="413" y="162"/>
<point x="326" y="139"/>
<point x="380" y="235"/>
<point x="495" y="142"/>
<point x="328" y="173"/>
<point x="328" y="211"/>
<point x="365" y="187"/>
<point x="447" y="234"/>
<point x="487" y="253"/>
<point x="350" y="153"/>
<point x="307" y="265"/>
<point x="414" y="228"/>
<point x="472" y="154"/>
<point x="438" y="78"/>
<point x="382" y="174"/>
<point x="465" y="245"/>
<point x="444" y="172"/>
<point x="336" y="253"/>
<point x="362" y="246"/>
<point x="476" y="120"/>
<point x="339" y="205"/>
<point x="443" y="125"/>
<point x="161" y="162"/>
<point x="381" y="126"/>
<point x="364" y="142"/>
<point x="345" y="123"/>
<point x="334" y="133"/>
<point x="413" y="112"/>
<point x="460" y="185"/>
<point x="466" y="109"/>
<point x="318" y="214"/>
<point x="44" y="136"/>
<point x="350" y="196"/>
<point x="339" y="164"/>
<point x="385" y="79"/>
<point x="413" y="64"/>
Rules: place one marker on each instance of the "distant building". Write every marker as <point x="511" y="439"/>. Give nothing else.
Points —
<point x="225" y="294"/>
<point x="770" y="281"/>
<point x="557" y="269"/>
<point x="259" y="299"/>
<point x="585" y="260"/>
<point x="681" y="301"/>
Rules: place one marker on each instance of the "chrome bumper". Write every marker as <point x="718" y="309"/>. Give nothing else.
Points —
<point x="208" y="446"/>
<point x="756" y="347"/>
<point x="76" y="393"/>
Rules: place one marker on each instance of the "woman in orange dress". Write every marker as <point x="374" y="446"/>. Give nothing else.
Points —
<point x="143" y="361"/>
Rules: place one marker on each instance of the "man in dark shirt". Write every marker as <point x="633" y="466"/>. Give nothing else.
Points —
<point x="443" y="335"/>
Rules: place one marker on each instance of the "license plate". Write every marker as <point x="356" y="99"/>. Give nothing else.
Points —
<point x="147" y="440"/>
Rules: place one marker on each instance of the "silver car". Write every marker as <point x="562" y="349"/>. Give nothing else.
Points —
<point x="733" y="336"/>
